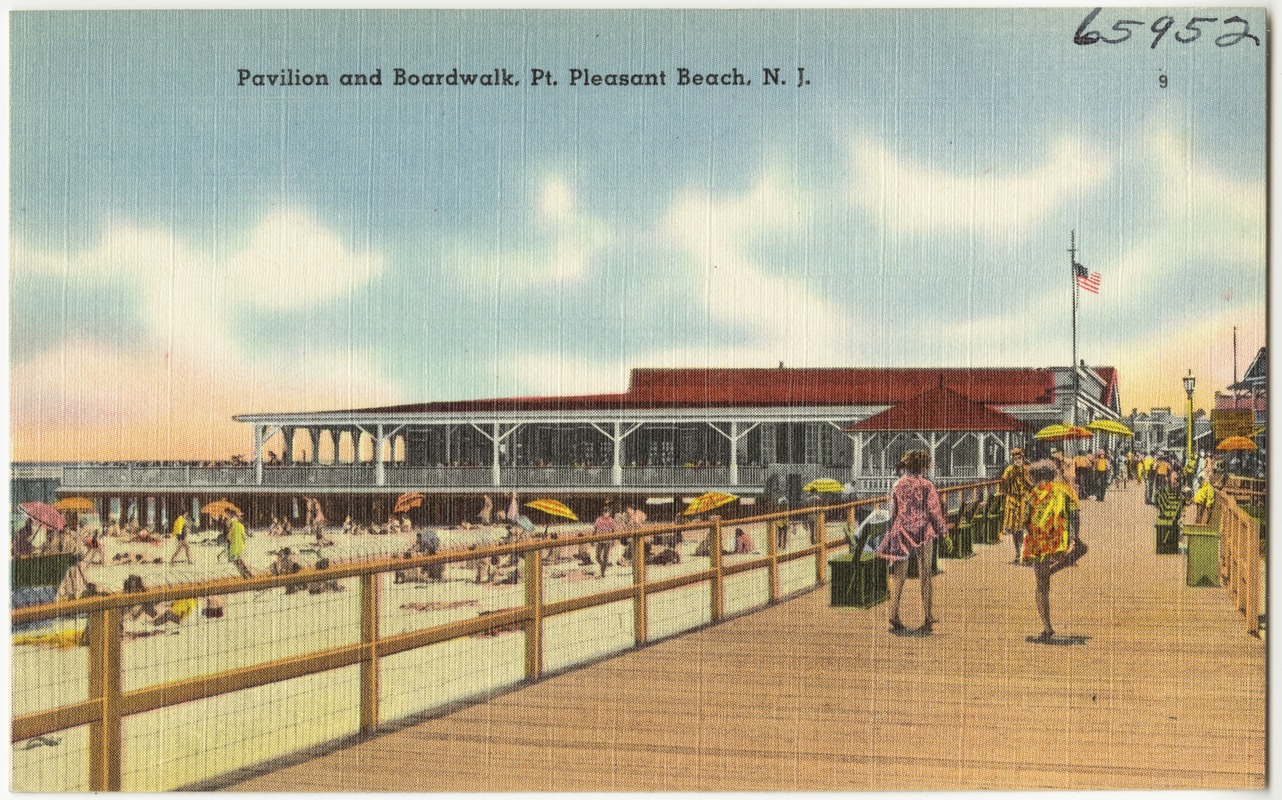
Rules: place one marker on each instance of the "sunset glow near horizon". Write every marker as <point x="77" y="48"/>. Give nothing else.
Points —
<point x="187" y="246"/>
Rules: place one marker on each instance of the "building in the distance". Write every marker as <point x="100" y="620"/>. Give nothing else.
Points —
<point x="672" y="433"/>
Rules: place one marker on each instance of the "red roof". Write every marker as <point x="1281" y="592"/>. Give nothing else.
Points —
<point x="1109" y="374"/>
<point x="939" y="409"/>
<point x="652" y="388"/>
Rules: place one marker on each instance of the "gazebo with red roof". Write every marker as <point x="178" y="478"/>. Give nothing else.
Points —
<point x="937" y="417"/>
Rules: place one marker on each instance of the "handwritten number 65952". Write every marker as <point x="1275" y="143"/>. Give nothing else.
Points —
<point x="1189" y="33"/>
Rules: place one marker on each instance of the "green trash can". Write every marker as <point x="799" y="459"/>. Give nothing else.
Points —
<point x="1203" y="564"/>
<point x="858" y="582"/>
<point x="1168" y="535"/>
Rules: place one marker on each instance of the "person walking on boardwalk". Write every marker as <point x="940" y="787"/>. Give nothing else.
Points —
<point x="1015" y="487"/>
<point x="1100" y="466"/>
<point x="1052" y="524"/>
<point x="916" y="519"/>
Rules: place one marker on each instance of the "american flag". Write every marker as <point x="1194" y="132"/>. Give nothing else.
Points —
<point x="1087" y="280"/>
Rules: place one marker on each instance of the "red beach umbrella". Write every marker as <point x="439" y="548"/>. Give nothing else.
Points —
<point x="44" y="514"/>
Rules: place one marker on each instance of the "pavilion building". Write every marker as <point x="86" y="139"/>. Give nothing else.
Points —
<point x="673" y="433"/>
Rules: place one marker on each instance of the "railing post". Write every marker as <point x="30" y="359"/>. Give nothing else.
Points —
<point x="370" y="597"/>
<point x="104" y="687"/>
<point x="1251" y="553"/>
<point x="639" y="623"/>
<point x="772" y="551"/>
<point x="821" y="550"/>
<point x="714" y="552"/>
<point x="534" y="602"/>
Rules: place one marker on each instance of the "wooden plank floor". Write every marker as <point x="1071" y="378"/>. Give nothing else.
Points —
<point x="1167" y="692"/>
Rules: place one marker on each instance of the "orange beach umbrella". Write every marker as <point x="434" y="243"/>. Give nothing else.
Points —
<point x="221" y="508"/>
<point x="407" y="501"/>
<point x="1236" y="443"/>
<point x="76" y="504"/>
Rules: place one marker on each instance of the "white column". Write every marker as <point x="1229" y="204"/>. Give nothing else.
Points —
<point x="983" y="469"/>
<point x="380" y="476"/>
<point x="258" y="455"/>
<point x="494" y="468"/>
<point x="734" y="454"/>
<point x="856" y="455"/>
<point x="616" y="470"/>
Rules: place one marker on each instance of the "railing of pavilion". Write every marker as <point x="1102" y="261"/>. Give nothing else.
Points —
<point x="126" y="720"/>
<point x="304" y="477"/>
<point x="1241" y="569"/>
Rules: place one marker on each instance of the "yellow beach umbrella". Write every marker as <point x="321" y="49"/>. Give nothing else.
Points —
<point x="824" y="486"/>
<point x="1110" y="426"/>
<point x="554" y="507"/>
<point x="708" y="501"/>
<point x="1061" y="432"/>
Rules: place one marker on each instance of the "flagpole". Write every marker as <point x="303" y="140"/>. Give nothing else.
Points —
<point x="1072" y="271"/>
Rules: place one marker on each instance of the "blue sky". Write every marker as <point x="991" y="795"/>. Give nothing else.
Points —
<point x="184" y="249"/>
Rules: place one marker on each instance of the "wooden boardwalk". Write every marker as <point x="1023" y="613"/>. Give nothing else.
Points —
<point x="1167" y="691"/>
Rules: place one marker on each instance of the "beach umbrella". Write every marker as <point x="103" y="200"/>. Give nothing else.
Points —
<point x="221" y="508"/>
<point x="76" y="504"/>
<point x="44" y="514"/>
<point x="1236" y="443"/>
<point x="824" y="486"/>
<point x="1062" y="432"/>
<point x="553" y="507"/>
<point x="1110" y="426"/>
<point x="407" y="501"/>
<point x="708" y="501"/>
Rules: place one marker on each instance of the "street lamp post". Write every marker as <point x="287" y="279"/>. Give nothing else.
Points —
<point x="1189" y="383"/>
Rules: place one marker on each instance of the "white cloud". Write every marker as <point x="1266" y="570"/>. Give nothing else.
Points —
<point x="783" y="316"/>
<point x="788" y="318"/>
<point x="190" y="364"/>
<point x="906" y="197"/>
<point x="1212" y="215"/>
<point x="291" y="261"/>
<point x="559" y="248"/>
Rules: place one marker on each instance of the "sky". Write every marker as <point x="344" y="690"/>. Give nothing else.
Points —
<point x="184" y="248"/>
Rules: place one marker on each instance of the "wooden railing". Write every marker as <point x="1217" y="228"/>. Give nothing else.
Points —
<point x="1249" y="491"/>
<point x="109" y="703"/>
<point x="1240" y="567"/>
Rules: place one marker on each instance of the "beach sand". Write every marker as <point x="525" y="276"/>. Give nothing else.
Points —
<point x="193" y="742"/>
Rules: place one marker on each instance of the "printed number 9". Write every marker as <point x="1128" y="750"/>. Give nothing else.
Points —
<point x="1161" y="81"/>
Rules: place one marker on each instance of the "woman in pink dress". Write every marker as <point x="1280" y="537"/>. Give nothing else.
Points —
<point x="916" y="518"/>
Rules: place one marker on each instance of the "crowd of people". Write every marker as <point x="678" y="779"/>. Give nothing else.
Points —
<point x="1041" y="518"/>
